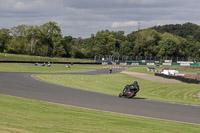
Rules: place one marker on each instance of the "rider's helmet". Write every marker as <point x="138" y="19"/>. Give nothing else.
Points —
<point x="135" y="82"/>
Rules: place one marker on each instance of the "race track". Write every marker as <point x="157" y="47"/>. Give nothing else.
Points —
<point x="23" y="85"/>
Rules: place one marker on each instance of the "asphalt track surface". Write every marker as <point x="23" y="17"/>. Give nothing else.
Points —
<point x="23" y="85"/>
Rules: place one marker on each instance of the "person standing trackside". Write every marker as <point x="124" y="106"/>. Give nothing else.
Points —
<point x="110" y="70"/>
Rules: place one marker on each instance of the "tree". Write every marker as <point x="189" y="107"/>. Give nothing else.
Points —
<point x="46" y="40"/>
<point x="4" y="39"/>
<point x="67" y="43"/>
<point x="167" y="47"/>
<point x="126" y="48"/>
<point x="146" y="43"/>
<point x="52" y="37"/>
<point x="182" y="30"/>
<point x="19" y="42"/>
<point x="34" y="37"/>
<point x="197" y="35"/>
<point x="78" y="52"/>
<point x="119" y="36"/>
<point x="171" y="45"/>
<point x="106" y="42"/>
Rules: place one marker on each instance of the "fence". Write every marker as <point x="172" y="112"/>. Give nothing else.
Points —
<point x="136" y="59"/>
<point x="191" y="65"/>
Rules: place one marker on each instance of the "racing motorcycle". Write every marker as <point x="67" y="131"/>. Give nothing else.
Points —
<point x="129" y="91"/>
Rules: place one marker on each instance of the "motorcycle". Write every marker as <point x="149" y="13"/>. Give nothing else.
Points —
<point x="129" y="91"/>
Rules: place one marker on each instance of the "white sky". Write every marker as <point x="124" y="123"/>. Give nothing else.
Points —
<point x="81" y="18"/>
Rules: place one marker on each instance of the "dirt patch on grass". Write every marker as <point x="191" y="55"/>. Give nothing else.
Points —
<point x="192" y="76"/>
<point x="198" y="95"/>
<point x="150" y="77"/>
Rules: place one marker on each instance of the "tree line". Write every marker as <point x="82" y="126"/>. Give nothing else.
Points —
<point x="47" y="40"/>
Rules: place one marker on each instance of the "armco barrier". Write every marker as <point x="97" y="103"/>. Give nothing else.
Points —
<point x="175" y="64"/>
<point x="158" y="64"/>
<point x="181" y="78"/>
<point x="143" y="63"/>
<point x="194" y="64"/>
<point x="129" y="63"/>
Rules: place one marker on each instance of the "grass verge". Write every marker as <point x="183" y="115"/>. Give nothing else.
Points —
<point x="20" y="57"/>
<point x="114" y="83"/>
<point x="140" y="70"/>
<point x="55" y="68"/>
<point x="27" y="116"/>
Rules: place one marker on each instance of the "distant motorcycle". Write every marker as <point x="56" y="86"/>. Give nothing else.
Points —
<point x="130" y="91"/>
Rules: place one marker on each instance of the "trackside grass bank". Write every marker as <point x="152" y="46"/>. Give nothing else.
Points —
<point x="114" y="83"/>
<point x="55" y="68"/>
<point x="20" y="57"/>
<point x="29" y="116"/>
<point x="140" y="70"/>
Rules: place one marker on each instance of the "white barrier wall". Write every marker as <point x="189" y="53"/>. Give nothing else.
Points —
<point x="167" y="64"/>
<point x="123" y="63"/>
<point x="104" y="63"/>
<point x="151" y="64"/>
<point x="135" y="64"/>
<point x="184" y="64"/>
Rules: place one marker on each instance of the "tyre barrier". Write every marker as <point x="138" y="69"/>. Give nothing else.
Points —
<point x="181" y="78"/>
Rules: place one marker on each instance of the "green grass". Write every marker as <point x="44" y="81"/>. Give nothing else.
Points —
<point x="114" y="83"/>
<point x="55" y="68"/>
<point x="20" y="57"/>
<point x="140" y="70"/>
<point x="29" y="116"/>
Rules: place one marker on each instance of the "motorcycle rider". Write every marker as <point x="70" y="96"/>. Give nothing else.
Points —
<point x="130" y="90"/>
<point x="133" y="86"/>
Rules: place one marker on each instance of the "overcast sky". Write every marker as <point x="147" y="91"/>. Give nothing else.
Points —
<point x="81" y="18"/>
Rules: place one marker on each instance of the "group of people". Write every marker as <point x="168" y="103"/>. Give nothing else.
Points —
<point x="44" y="64"/>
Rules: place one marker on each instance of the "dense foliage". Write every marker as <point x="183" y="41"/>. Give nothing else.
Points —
<point x="47" y="40"/>
<point x="187" y="30"/>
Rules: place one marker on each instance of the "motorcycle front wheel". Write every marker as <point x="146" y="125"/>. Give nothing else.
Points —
<point x="121" y="94"/>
